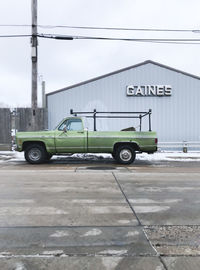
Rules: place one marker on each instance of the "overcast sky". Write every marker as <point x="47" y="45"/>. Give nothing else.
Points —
<point x="63" y="63"/>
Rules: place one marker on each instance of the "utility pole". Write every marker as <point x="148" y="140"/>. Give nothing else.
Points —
<point x="43" y="95"/>
<point x="34" y="44"/>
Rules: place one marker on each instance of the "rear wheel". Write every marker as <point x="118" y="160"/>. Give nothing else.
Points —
<point x="35" y="154"/>
<point x="125" y="154"/>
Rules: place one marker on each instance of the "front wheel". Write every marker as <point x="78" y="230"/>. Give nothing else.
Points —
<point x="125" y="154"/>
<point x="35" y="154"/>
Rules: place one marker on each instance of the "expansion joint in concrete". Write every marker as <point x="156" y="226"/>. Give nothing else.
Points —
<point x="162" y="262"/>
<point x="127" y="200"/>
<point x="139" y="222"/>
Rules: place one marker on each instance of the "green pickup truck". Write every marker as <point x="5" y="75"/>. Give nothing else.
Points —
<point x="70" y="136"/>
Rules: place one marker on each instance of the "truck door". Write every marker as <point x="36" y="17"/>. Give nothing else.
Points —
<point x="70" y="137"/>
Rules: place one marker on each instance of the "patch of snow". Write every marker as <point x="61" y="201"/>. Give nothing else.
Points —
<point x="6" y="156"/>
<point x="92" y="232"/>
<point x="7" y="152"/>
<point x="132" y="234"/>
<point x="124" y="221"/>
<point x="83" y="201"/>
<point x="171" y="189"/>
<point x="110" y="262"/>
<point x="149" y="201"/>
<point x="170" y="156"/>
<point x="53" y="252"/>
<point x="20" y="266"/>
<point x="150" y="209"/>
<point x="19" y="155"/>
<point x="109" y="209"/>
<point x="88" y="156"/>
<point x="113" y="252"/>
<point x="60" y="234"/>
<point x="5" y="253"/>
<point x="31" y="211"/>
<point x="158" y="156"/>
<point x="16" y="201"/>
<point x="159" y="268"/>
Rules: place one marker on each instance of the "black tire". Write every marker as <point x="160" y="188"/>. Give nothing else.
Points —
<point x="35" y="154"/>
<point x="125" y="154"/>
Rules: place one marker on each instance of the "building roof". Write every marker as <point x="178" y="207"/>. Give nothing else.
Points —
<point x="121" y="70"/>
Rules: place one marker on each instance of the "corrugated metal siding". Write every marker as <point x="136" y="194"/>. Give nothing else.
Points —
<point x="175" y="118"/>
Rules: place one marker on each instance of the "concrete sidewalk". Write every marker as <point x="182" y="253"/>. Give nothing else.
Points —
<point x="142" y="217"/>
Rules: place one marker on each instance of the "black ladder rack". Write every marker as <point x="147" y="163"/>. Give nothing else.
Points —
<point x="136" y="115"/>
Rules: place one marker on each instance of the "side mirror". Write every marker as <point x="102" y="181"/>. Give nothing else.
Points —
<point x="64" y="129"/>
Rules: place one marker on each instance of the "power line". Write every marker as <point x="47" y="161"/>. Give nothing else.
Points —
<point x="119" y="28"/>
<point x="147" y="40"/>
<point x="104" y="28"/>
<point x="15" y="25"/>
<point x="156" y="40"/>
<point x="14" y="36"/>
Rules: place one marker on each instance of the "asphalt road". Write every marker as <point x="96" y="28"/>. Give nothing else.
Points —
<point x="83" y="214"/>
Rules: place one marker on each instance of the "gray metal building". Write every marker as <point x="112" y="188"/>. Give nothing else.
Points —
<point x="173" y="96"/>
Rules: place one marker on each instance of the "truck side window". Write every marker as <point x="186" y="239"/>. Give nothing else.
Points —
<point x="63" y="125"/>
<point x="72" y="125"/>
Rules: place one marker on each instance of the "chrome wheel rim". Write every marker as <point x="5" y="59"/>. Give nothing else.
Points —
<point x="34" y="154"/>
<point x="125" y="155"/>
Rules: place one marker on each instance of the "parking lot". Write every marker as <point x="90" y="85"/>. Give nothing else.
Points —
<point x="95" y="214"/>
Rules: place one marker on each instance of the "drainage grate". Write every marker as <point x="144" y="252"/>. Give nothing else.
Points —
<point x="100" y="168"/>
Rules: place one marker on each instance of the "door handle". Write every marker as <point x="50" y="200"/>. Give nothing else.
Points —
<point x="80" y="131"/>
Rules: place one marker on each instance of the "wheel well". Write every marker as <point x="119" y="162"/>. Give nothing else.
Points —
<point x="132" y="144"/>
<point x="26" y="144"/>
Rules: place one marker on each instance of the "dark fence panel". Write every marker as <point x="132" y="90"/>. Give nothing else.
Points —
<point x="20" y="119"/>
<point x="28" y="119"/>
<point x="5" y="129"/>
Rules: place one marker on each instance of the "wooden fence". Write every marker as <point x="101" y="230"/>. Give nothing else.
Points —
<point x="19" y="119"/>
